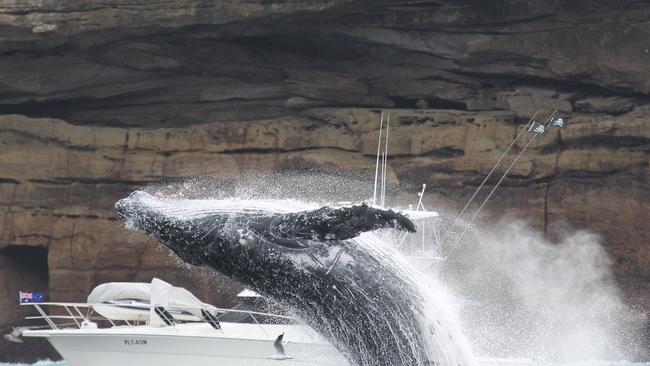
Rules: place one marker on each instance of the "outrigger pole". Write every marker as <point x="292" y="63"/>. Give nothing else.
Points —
<point x="383" y="185"/>
<point x="535" y="134"/>
<point x="374" y="192"/>
<point x="380" y="175"/>
<point x="383" y="176"/>
<point x="531" y="120"/>
<point x="548" y="120"/>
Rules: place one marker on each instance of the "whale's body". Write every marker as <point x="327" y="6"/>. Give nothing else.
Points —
<point x="316" y="261"/>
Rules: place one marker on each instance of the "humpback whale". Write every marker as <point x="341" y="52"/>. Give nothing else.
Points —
<point x="321" y="262"/>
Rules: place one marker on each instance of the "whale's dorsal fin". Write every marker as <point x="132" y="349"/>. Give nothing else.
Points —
<point x="330" y="224"/>
<point x="279" y="348"/>
<point x="280" y="355"/>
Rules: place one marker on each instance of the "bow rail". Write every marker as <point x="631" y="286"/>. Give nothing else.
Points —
<point x="81" y="315"/>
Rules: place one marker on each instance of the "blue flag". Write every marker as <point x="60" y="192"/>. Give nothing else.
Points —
<point x="30" y="297"/>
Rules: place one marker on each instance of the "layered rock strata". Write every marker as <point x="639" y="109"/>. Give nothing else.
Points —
<point x="99" y="97"/>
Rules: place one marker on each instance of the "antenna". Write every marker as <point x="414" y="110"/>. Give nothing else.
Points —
<point x="417" y="208"/>
<point x="421" y="194"/>
<point x="374" y="192"/>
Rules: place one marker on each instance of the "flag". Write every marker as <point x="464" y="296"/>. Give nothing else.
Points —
<point x="29" y="297"/>
<point x="559" y="122"/>
<point x="537" y="127"/>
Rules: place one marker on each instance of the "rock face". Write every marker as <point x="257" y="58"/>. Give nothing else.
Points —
<point x="99" y="97"/>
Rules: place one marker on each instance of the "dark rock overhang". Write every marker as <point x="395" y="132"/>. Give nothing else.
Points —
<point x="124" y="63"/>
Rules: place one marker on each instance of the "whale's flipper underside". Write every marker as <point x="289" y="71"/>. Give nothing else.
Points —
<point x="332" y="224"/>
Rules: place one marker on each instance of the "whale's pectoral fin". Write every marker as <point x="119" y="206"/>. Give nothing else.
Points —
<point x="329" y="223"/>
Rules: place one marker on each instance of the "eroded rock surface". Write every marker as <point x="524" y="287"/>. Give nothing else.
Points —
<point x="99" y="97"/>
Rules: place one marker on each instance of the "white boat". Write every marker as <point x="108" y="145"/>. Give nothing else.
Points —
<point x="158" y="324"/>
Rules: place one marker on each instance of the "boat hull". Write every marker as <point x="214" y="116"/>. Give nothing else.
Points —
<point x="102" y="348"/>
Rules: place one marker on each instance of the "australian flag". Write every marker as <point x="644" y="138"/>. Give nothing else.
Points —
<point x="29" y="297"/>
<point x="559" y="122"/>
<point x="538" y="127"/>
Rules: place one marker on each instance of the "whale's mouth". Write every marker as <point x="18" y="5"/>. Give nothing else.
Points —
<point x="121" y="210"/>
<point x="132" y="205"/>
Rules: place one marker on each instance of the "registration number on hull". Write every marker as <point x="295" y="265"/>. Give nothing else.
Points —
<point x="135" y="342"/>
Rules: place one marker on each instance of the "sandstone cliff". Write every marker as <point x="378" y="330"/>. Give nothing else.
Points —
<point x="100" y="97"/>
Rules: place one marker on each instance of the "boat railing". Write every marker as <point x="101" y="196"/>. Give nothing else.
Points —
<point x="80" y="315"/>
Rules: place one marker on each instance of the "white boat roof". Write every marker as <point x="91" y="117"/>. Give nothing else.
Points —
<point x="418" y="215"/>
<point x="157" y="292"/>
<point x="248" y="293"/>
<point x="112" y="291"/>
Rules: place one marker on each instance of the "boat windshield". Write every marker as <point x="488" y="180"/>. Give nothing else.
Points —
<point x="259" y="305"/>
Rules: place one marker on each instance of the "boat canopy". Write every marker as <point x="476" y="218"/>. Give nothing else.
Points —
<point x="114" y="291"/>
<point x="419" y="215"/>
<point x="246" y="293"/>
<point x="133" y="300"/>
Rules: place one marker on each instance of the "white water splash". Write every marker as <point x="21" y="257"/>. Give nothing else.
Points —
<point x="439" y="319"/>
<point x="537" y="299"/>
<point x="549" y="302"/>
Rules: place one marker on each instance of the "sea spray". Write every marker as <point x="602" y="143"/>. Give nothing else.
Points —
<point x="515" y="293"/>
<point x="549" y="301"/>
<point x="439" y="314"/>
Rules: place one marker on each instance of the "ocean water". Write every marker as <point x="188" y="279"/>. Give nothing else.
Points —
<point x="491" y="362"/>
<point x="38" y="363"/>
